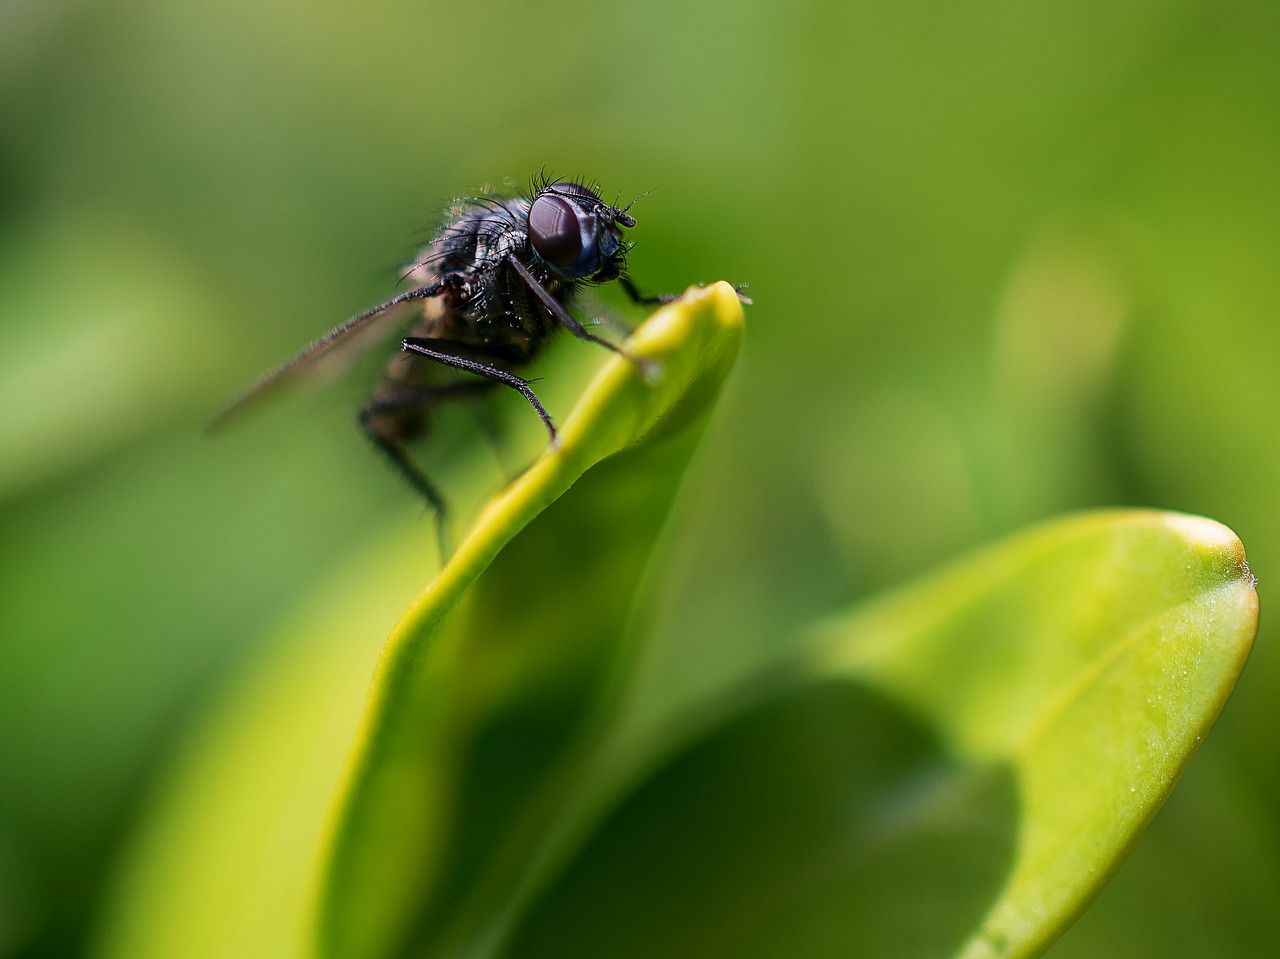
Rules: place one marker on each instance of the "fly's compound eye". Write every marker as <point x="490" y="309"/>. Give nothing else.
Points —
<point x="564" y="234"/>
<point x="573" y="231"/>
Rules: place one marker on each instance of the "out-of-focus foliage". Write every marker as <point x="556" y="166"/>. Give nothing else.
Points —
<point x="478" y="707"/>
<point x="1009" y="259"/>
<point x="954" y="770"/>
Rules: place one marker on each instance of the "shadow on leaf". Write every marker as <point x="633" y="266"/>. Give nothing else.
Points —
<point x="826" y="822"/>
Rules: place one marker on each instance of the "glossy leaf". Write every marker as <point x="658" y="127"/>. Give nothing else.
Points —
<point x="475" y="700"/>
<point x="954" y="770"/>
<point x="491" y="678"/>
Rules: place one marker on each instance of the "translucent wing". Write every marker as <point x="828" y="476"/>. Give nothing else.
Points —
<point x="340" y="343"/>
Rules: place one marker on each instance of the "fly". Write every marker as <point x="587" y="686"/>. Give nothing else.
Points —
<point x="498" y="279"/>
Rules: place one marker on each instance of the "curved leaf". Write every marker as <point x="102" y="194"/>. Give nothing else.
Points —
<point x="1092" y="656"/>
<point x="499" y="665"/>
<point x="954" y="770"/>
<point x="229" y="861"/>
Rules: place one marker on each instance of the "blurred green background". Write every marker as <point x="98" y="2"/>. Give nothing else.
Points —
<point x="1008" y="260"/>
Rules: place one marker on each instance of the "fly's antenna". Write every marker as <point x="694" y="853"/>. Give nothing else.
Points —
<point x="633" y="202"/>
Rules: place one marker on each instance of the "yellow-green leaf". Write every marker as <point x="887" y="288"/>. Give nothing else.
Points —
<point x="953" y="770"/>
<point x="490" y="680"/>
<point x="308" y="818"/>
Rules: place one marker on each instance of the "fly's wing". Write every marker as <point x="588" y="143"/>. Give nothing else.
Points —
<point x="336" y="349"/>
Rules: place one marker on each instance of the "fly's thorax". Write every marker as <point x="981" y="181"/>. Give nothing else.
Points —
<point x="478" y="233"/>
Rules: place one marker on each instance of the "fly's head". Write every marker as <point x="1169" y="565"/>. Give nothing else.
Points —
<point x="576" y="234"/>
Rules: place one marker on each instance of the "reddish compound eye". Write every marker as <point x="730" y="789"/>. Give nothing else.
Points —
<point x="573" y="231"/>
<point x="561" y="231"/>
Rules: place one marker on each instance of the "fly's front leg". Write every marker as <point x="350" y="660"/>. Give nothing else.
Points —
<point x="557" y="309"/>
<point x="641" y="299"/>
<point x="648" y="369"/>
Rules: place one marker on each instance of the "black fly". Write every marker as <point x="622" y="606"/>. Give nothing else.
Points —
<point x="497" y="280"/>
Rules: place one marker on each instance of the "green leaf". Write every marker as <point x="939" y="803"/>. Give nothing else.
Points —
<point x="954" y="770"/>
<point x="1090" y="656"/>
<point x="495" y="673"/>
<point x="476" y="700"/>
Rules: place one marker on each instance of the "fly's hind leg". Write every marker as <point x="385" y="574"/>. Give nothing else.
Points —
<point x="373" y="420"/>
<point x="384" y="421"/>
